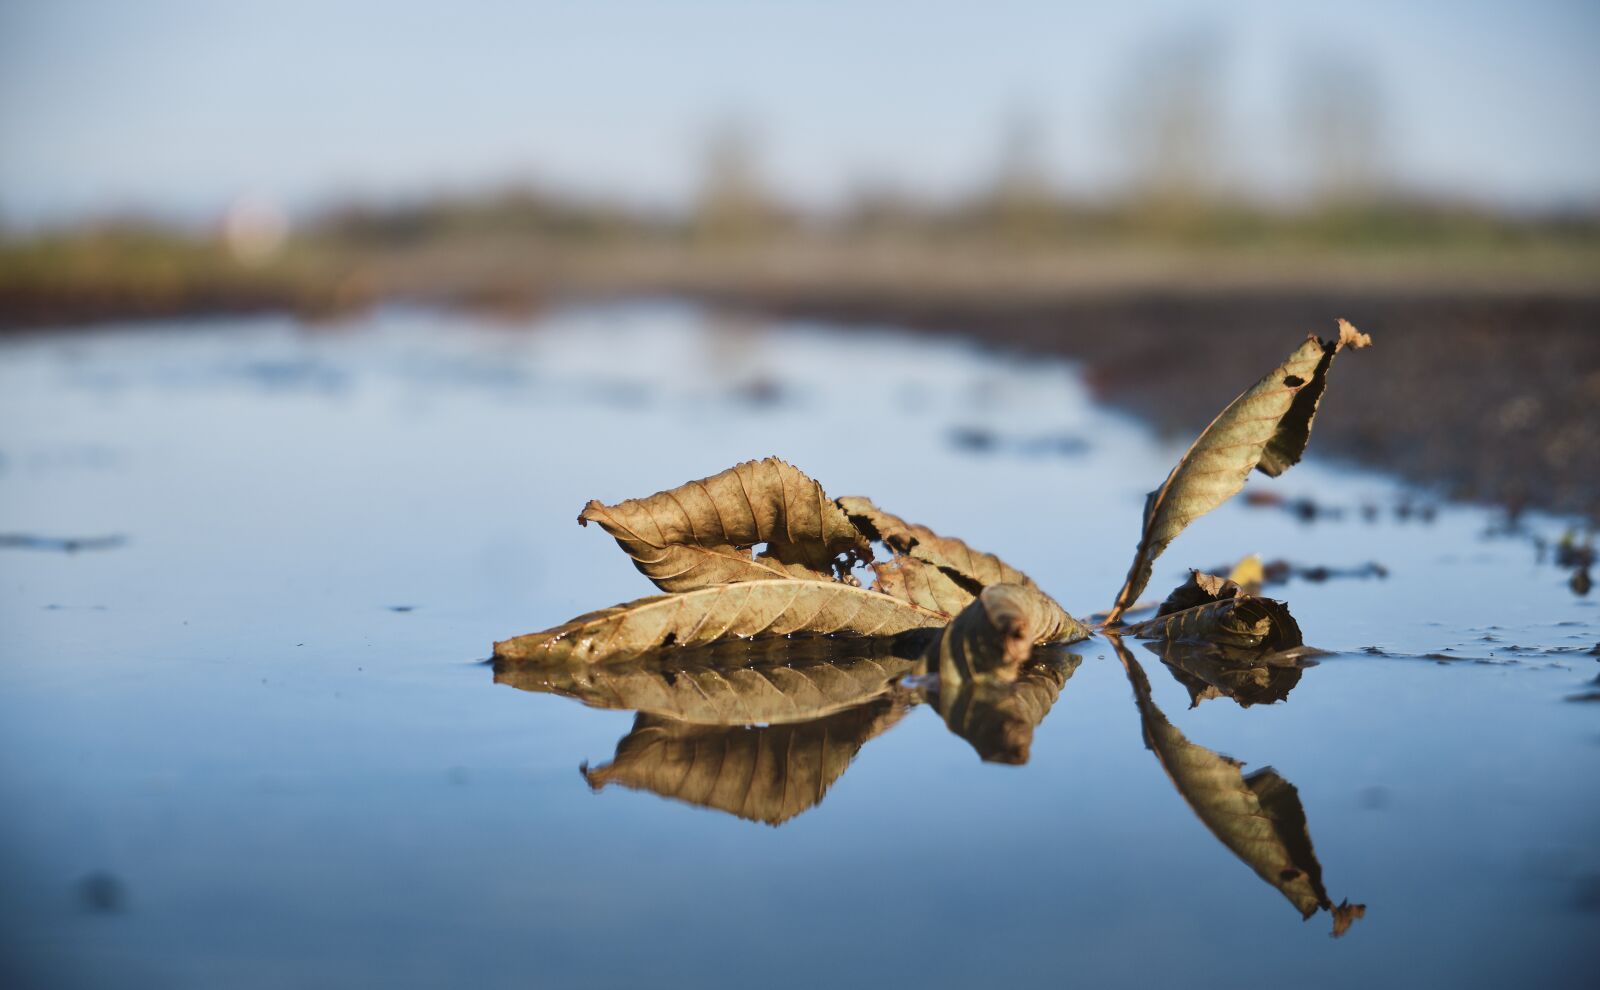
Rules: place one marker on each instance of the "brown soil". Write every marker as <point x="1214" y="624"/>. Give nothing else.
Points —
<point x="1493" y="398"/>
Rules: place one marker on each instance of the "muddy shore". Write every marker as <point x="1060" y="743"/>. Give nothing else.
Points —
<point x="1491" y="398"/>
<point x="1488" y="393"/>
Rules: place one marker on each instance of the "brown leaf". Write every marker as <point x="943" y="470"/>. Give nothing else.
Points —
<point x="999" y="719"/>
<point x="945" y="574"/>
<point x="1200" y="589"/>
<point x="701" y="534"/>
<point x="1267" y="427"/>
<point x="1259" y="817"/>
<point x="921" y="583"/>
<point x="973" y="569"/>
<point x="1249" y="623"/>
<point x="994" y="636"/>
<point x="766" y="774"/>
<point x="749" y="610"/>
<point x="737" y="682"/>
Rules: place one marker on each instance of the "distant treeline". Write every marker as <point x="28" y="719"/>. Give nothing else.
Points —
<point x="515" y="246"/>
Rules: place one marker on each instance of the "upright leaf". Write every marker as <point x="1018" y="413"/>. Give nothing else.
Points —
<point x="748" y="610"/>
<point x="762" y="773"/>
<point x="738" y="682"/>
<point x="1259" y="817"/>
<point x="1267" y="428"/>
<point x="701" y="534"/>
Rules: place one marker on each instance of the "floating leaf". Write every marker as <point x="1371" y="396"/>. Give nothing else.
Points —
<point x="999" y="719"/>
<point x="994" y="636"/>
<point x="738" y="682"/>
<point x="1248" y="676"/>
<point x="765" y="774"/>
<point x="1199" y="589"/>
<point x="701" y="534"/>
<point x="1259" y="817"/>
<point x="752" y="609"/>
<point x="1254" y="623"/>
<point x="1267" y="427"/>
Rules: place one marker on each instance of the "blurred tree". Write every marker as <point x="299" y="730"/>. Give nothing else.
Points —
<point x="1170" y="120"/>
<point x="1337" y="124"/>
<point x="733" y="206"/>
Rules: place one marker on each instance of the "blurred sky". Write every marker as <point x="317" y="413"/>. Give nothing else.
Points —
<point x="178" y="107"/>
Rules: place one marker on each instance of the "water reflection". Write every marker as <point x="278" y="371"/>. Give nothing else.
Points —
<point x="1258" y="816"/>
<point x="999" y="719"/>
<point x="1248" y="676"/>
<point x="762" y="729"/>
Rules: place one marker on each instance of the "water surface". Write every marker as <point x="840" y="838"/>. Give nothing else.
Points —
<point x="247" y="739"/>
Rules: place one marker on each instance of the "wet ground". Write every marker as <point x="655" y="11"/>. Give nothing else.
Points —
<point x="1492" y="396"/>
<point x="251" y="571"/>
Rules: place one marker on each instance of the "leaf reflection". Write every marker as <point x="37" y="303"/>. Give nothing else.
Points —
<point x="1248" y="676"/>
<point x="998" y="719"/>
<point x="755" y="728"/>
<point x="765" y="773"/>
<point x="1258" y="816"/>
<point x="762" y="729"/>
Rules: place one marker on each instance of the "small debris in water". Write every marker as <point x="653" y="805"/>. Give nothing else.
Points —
<point x="401" y="608"/>
<point x="63" y="544"/>
<point x="101" y="892"/>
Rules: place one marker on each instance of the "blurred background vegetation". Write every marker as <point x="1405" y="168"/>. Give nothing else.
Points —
<point x="1161" y="190"/>
<point x="181" y="159"/>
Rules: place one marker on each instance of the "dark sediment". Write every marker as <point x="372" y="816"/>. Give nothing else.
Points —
<point x="1490" y="397"/>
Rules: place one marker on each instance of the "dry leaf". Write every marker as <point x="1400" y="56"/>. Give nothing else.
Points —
<point x="972" y="568"/>
<point x="1267" y="428"/>
<point x="1259" y="817"/>
<point x="921" y="583"/>
<point x="1200" y="589"/>
<point x="701" y="534"/>
<point x="1251" y="623"/>
<point x="752" y="609"/>
<point x="737" y="682"/>
<point x="999" y="719"/>
<point x="766" y="774"/>
<point x="943" y="573"/>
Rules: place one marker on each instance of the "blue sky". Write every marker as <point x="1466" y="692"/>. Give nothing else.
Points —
<point x="179" y="107"/>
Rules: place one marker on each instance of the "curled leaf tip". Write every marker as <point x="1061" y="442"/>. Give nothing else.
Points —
<point x="590" y="509"/>
<point x="1349" y="336"/>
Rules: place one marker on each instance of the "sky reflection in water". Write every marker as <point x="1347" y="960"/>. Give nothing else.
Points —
<point x="228" y="758"/>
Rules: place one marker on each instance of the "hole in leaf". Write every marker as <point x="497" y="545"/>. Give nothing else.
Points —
<point x="672" y="638"/>
<point x="1293" y="381"/>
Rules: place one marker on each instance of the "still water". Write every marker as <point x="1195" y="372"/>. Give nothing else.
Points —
<point x="247" y="736"/>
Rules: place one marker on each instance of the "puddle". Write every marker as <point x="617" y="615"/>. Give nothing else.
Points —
<point x="260" y="729"/>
